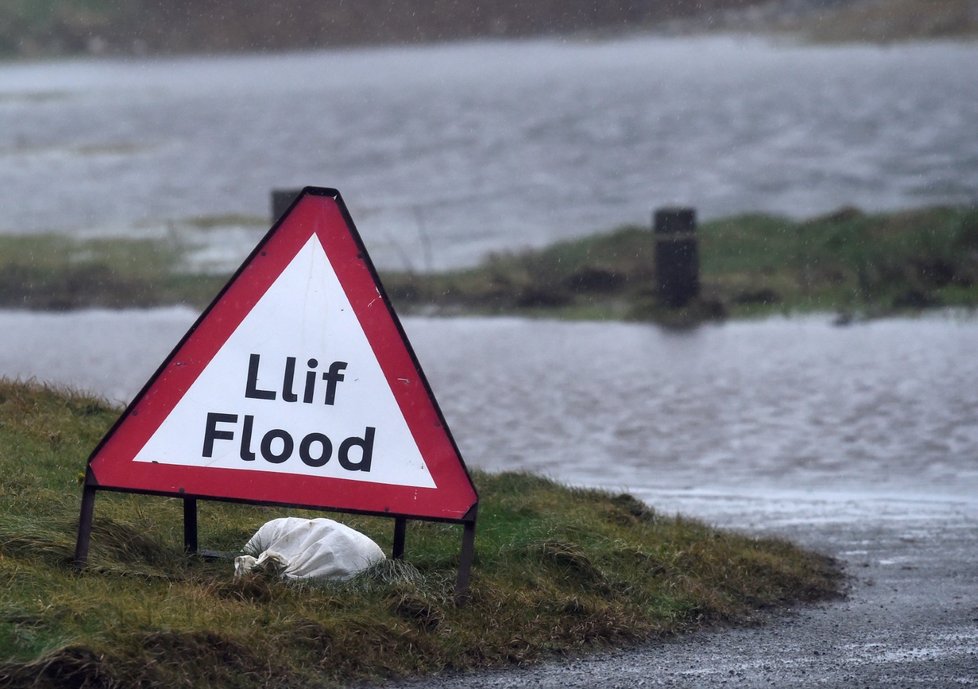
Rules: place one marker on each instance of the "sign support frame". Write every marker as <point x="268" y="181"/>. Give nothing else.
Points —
<point x="191" y="545"/>
<point x="190" y="501"/>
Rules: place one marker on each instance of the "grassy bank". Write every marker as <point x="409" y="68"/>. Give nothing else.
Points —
<point x="69" y="27"/>
<point x="45" y="27"/>
<point x="893" y="20"/>
<point x="52" y="272"/>
<point x="845" y="21"/>
<point x="848" y="262"/>
<point x="558" y="571"/>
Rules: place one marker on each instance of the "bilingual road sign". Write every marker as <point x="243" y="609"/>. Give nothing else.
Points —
<point x="297" y="386"/>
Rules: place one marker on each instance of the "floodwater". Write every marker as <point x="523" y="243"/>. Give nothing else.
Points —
<point x="447" y="152"/>
<point x="777" y="407"/>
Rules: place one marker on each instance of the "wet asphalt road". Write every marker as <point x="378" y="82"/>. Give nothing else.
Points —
<point x="910" y="618"/>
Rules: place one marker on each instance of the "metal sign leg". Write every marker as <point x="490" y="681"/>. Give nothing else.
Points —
<point x="85" y="526"/>
<point x="400" y="535"/>
<point x="465" y="563"/>
<point x="190" y="526"/>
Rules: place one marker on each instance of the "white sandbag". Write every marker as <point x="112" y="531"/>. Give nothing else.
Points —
<point x="310" y="549"/>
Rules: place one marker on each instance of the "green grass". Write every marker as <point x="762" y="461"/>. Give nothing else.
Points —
<point x="598" y="275"/>
<point x="33" y="23"/>
<point x="53" y="272"/>
<point x="559" y="571"/>
<point x="848" y="262"/>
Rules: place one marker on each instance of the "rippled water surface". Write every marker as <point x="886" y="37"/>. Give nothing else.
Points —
<point x="447" y="152"/>
<point x="785" y="405"/>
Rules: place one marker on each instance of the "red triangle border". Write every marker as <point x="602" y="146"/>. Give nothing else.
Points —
<point x="321" y="212"/>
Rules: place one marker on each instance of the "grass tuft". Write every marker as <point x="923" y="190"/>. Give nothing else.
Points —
<point x="126" y="543"/>
<point x="567" y="562"/>
<point x="415" y="607"/>
<point x="77" y="667"/>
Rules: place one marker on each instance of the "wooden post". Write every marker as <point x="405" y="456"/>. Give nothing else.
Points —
<point x="677" y="269"/>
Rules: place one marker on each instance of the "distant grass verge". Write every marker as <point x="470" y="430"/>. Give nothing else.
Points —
<point x="53" y="272"/>
<point x="849" y="262"/>
<point x="888" y="21"/>
<point x="558" y="571"/>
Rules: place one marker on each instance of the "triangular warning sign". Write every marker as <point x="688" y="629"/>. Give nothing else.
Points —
<point x="297" y="386"/>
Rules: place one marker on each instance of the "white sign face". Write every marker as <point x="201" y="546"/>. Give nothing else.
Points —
<point x="295" y="389"/>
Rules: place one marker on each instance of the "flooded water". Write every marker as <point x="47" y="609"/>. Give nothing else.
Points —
<point x="780" y="407"/>
<point x="447" y="152"/>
